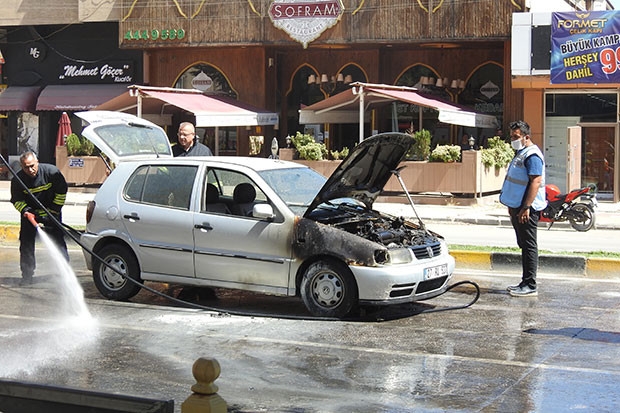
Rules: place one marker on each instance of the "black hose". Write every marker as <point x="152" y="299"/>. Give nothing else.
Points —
<point x="71" y="232"/>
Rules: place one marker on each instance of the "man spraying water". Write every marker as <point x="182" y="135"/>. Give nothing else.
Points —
<point x="46" y="183"/>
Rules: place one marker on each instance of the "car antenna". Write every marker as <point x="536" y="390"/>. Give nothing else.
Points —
<point x="396" y="173"/>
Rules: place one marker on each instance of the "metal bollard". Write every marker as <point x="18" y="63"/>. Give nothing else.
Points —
<point x="205" y="398"/>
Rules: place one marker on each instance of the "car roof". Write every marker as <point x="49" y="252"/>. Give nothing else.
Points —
<point x="256" y="164"/>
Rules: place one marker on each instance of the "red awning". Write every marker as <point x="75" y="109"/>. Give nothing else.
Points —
<point x="19" y="98"/>
<point x="352" y="105"/>
<point x="210" y="111"/>
<point x="77" y="97"/>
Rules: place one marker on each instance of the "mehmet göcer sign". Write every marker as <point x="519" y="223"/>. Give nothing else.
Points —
<point x="585" y="47"/>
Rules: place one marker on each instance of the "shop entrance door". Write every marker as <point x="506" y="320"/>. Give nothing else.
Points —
<point x="599" y="159"/>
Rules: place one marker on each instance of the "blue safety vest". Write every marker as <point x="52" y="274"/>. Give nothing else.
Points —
<point x="517" y="179"/>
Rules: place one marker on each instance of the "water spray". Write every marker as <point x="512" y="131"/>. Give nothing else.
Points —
<point x="71" y="232"/>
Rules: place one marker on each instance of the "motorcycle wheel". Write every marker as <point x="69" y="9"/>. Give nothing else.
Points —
<point x="582" y="218"/>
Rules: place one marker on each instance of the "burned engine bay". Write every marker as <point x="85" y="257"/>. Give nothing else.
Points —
<point x="392" y="232"/>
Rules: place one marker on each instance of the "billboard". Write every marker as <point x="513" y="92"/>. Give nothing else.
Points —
<point x="585" y="47"/>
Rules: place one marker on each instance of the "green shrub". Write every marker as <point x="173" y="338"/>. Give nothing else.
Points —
<point x="79" y="146"/>
<point x="73" y="144"/>
<point x="301" y="139"/>
<point x="340" y="155"/>
<point x="498" y="154"/>
<point x="88" y="148"/>
<point x="445" y="153"/>
<point x="307" y="148"/>
<point x="421" y="148"/>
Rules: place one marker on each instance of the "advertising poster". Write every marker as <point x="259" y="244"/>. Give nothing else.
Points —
<point x="585" y="47"/>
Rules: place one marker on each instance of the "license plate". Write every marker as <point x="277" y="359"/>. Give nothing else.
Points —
<point x="434" y="272"/>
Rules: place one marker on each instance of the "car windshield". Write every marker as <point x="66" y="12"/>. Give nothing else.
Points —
<point x="296" y="186"/>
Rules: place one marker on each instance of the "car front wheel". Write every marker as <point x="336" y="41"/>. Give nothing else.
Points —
<point x="328" y="289"/>
<point x="114" y="284"/>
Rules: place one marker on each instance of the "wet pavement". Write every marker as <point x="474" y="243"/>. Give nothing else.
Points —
<point x="556" y="352"/>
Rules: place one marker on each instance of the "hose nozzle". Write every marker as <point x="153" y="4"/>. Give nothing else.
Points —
<point x="32" y="218"/>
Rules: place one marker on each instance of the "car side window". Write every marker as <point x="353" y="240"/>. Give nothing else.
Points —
<point x="168" y="186"/>
<point x="230" y="192"/>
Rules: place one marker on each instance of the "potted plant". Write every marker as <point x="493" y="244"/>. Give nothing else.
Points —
<point x="498" y="154"/>
<point x="79" y="146"/>
<point x="339" y="155"/>
<point x="308" y="148"/>
<point x="77" y="162"/>
<point x="445" y="153"/>
<point x="421" y="148"/>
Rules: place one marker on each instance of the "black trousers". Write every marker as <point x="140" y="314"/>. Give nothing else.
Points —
<point x="528" y="242"/>
<point x="27" y="236"/>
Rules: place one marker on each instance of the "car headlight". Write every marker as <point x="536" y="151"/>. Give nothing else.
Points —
<point x="382" y="256"/>
<point x="400" y="256"/>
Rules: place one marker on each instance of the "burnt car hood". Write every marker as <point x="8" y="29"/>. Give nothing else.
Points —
<point x="363" y="174"/>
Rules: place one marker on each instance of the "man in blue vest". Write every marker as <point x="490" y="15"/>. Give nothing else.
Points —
<point x="523" y="192"/>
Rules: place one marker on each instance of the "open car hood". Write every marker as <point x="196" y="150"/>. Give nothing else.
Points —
<point x="122" y="136"/>
<point x="363" y="174"/>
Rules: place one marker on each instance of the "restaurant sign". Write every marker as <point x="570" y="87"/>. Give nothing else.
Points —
<point x="305" y="20"/>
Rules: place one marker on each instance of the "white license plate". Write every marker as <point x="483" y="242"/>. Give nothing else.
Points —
<point x="434" y="272"/>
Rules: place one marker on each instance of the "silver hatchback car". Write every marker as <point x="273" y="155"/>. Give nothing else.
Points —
<point x="256" y="224"/>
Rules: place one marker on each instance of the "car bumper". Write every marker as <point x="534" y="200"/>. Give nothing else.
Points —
<point x="393" y="284"/>
<point x="88" y="243"/>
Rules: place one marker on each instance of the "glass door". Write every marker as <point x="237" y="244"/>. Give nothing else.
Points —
<point x="599" y="160"/>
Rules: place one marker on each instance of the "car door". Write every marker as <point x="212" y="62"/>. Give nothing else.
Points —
<point x="155" y="208"/>
<point x="241" y="251"/>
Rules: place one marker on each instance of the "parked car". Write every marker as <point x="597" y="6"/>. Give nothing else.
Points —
<point x="256" y="224"/>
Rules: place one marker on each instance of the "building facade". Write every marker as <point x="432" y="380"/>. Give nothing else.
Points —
<point x="284" y="54"/>
<point x="570" y="103"/>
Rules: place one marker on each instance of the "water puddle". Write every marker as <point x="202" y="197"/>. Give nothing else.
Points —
<point x="65" y="331"/>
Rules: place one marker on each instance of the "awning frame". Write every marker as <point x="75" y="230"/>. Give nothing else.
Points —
<point x="339" y="108"/>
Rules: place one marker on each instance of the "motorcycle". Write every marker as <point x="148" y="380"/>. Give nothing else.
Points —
<point x="577" y="207"/>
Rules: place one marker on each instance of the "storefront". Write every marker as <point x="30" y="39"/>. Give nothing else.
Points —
<point x="571" y="83"/>
<point x="284" y="55"/>
<point x="60" y="68"/>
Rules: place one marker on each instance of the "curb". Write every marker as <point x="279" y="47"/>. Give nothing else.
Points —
<point x="594" y="267"/>
<point x="9" y="233"/>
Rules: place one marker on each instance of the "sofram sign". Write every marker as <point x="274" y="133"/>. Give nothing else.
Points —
<point x="305" y="20"/>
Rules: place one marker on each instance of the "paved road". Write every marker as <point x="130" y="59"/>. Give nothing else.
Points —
<point x="557" y="352"/>
<point x="556" y="239"/>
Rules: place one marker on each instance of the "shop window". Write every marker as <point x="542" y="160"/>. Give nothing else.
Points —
<point x="596" y="113"/>
<point x="211" y="81"/>
<point x="484" y="92"/>
<point x="589" y="107"/>
<point x="304" y="91"/>
<point x="408" y="116"/>
<point x="343" y="135"/>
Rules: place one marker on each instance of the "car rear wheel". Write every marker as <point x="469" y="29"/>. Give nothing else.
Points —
<point x="110" y="283"/>
<point x="328" y="289"/>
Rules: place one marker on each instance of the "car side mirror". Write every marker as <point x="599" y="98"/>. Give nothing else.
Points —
<point x="263" y="211"/>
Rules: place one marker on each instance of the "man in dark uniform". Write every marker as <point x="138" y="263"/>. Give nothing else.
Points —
<point x="47" y="184"/>
<point x="188" y="144"/>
